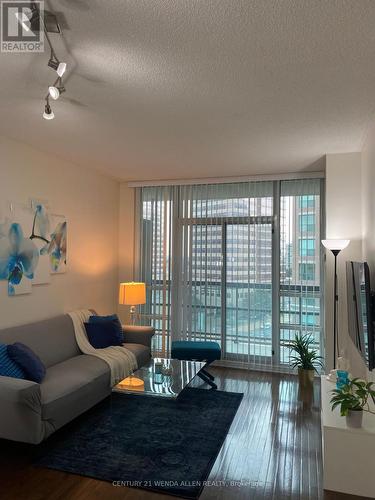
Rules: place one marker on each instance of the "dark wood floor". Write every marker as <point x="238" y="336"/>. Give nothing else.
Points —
<point x="272" y="451"/>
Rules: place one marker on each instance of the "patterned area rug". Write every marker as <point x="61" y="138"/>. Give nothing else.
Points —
<point x="147" y="442"/>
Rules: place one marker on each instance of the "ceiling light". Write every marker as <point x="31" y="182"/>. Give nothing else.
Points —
<point x="23" y="19"/>
<point x="48" y="113"/>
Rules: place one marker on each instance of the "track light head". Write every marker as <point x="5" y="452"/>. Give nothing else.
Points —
<point x="48" y="113"/>
<point x="56" y="89"/>
<point x="54" y="92"/>
<point x="61" y="69"/>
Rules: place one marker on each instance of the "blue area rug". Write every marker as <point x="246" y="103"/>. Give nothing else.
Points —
<point x="147" y="442"/>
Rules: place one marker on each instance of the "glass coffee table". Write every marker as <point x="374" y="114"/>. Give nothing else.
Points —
<point x="161" y="377"/>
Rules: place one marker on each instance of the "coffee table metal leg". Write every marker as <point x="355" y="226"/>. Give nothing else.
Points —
<point x="208" y="379"/>
<point x="208" y="374"/>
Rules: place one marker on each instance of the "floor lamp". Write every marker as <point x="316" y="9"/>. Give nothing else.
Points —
<point x="335" y="246"/>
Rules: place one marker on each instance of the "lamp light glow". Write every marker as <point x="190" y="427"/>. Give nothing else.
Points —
<point x="132" y="383"/>
<point x="337" y="245"/>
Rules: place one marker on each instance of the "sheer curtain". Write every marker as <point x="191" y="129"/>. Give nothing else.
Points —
<point x="235" y="263"/>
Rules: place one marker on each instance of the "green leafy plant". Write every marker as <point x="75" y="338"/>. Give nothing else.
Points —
<point x="304" y="356"/>
<point x="353" y="396"/>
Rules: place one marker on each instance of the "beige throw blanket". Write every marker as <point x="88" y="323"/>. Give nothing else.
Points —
<point x="120" y="360"/>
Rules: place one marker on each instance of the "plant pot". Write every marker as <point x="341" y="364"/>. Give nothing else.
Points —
<point x="354" y="419"/>
<point x="305" y="377"/>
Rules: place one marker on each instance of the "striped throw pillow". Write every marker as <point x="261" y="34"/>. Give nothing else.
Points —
<point x="8" y="368"/>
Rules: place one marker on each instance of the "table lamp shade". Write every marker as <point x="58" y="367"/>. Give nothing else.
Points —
<point x="132" y="294"/>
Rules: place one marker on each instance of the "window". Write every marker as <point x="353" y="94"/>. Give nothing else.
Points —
<point x="307" y="223"/>
<point x="307" y="247"/>
<point x="207" y="255"/>
<point x="307" y="272"/>
<point x="307" y="202"/>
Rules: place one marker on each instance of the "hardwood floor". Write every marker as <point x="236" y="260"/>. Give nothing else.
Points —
<point x="272" y="451"/>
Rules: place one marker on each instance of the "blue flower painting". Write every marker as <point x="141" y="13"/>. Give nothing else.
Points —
<point x="33" y="246"/>
<point x="18" y="257"/>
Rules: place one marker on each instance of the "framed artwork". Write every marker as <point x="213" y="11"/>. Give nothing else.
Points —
<point x="33" y="246"/>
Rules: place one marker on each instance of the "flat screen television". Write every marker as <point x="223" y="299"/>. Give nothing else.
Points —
<point x="361" y="310"/>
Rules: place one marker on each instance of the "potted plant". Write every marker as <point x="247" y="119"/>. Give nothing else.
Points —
<point x="353" y="400"/>
<point x="304" y="358"/>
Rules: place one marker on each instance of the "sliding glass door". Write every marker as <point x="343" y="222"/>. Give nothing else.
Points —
<point x="235" y="263"/>
<point x="247" y="282"/>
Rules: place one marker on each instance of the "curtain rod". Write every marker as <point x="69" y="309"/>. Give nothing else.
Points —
<point x="227" y="180"/>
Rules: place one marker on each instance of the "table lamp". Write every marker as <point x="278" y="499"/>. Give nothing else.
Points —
<point x="335" y="246"/>
<point x="132" y="294"/>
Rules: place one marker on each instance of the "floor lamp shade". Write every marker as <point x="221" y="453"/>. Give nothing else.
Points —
<point x="132" y="294"/>
<point x="335" y="244"/>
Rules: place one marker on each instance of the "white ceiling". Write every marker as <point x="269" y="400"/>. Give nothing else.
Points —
<point x="168" y="89"/>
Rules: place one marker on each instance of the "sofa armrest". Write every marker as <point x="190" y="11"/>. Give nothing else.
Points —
<point x="138" y="334"/>
<point x="21" y="411"/>
<point x="16" y="390"/>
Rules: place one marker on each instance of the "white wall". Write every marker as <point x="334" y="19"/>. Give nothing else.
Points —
<point x="368" y="200"/>
<point x="343" y="220"/>
<point x="90" y="202"/>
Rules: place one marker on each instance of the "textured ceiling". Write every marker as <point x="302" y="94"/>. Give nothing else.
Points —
<point x="168" y="89"/>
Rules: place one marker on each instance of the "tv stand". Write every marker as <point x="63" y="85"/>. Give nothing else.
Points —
<point x="348" y="454"/>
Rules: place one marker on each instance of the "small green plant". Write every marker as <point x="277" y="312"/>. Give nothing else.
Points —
<point x="305" y="357"/>
<point x="353" y="396"/>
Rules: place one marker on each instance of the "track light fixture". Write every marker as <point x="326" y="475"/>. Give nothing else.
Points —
<point x="55" y="90"/>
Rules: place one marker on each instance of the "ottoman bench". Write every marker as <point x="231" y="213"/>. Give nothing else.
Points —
<point x="191" y="350"/>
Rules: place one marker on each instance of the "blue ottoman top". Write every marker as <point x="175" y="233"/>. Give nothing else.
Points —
<point x="196" y="350"/>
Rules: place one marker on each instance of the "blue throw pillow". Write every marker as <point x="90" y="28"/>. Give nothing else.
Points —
<point x="104" y="334"/>
<point x="28" y="361"/>
<point x="8" y="368"/>
<point x="113" y="319"/>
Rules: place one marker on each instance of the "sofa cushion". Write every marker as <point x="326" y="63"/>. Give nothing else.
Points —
<point x="27" y="360"/>
<point x="72" y="387"/>
<point x="8" y="367"/>
<point x="53" y="340"/>
<point x="141" y="352"/>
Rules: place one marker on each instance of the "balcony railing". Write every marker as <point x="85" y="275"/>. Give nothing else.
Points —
<point x="248" y="315"/>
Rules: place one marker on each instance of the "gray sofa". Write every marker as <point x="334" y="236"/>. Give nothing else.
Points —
<point x="30" y="412"/>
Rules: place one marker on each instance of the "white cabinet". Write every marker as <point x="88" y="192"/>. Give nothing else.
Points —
<point x="348" y="454"/>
